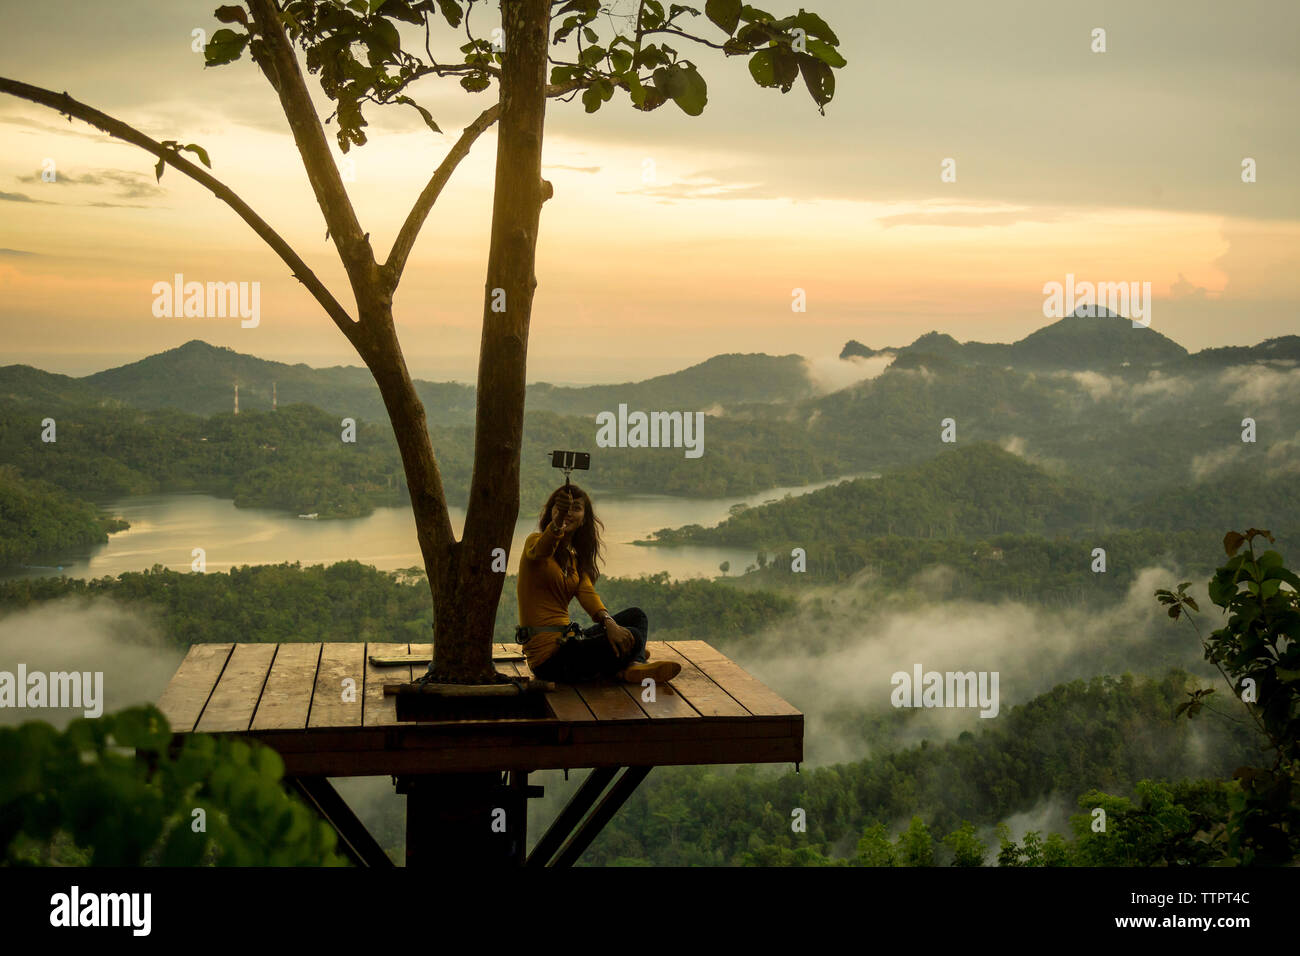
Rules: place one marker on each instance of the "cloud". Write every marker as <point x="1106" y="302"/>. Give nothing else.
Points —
<point x="1098" y="386"/>
<point x="1182" y="289"/>
<point x="1205" y="465"/>
<point x="975" y="218"/>
<point x="1262" y="385"/>
<point x="64" y="130"/>
<point x="129" y="185"/>
<point x="841" y="674"/>
<point x="17" y="252"/>
<point x="18" y="197"/>
<point x="75" y="634"/>
<point x="706" y="189"/>
<point x="575" y="169"/>
<point x="832" y="374"/>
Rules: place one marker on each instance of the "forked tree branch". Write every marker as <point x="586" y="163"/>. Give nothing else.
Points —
<point x="410" y="230"/>
<point x="66" y="105"/>
<point x="405" y="240"/>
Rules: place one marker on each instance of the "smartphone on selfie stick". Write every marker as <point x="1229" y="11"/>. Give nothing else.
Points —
<point x="569" y="460"/>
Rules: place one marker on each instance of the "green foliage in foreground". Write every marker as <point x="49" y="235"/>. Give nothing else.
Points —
<point x="1258" y="653"/>
<point x="83" y="797"/>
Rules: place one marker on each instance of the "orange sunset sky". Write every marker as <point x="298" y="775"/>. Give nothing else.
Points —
<point x="1115" y="166"/>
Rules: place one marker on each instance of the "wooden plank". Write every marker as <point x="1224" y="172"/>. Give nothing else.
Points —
<point x="418" y="660"/>
<point x="757" y="697"/>
<point x="666" y="704"/>
<point x="696" y="687"/>
<point x="235" y="697"/>
<point x="508" y="667"/>
<point x="565" y="702"/>
<point x="610" y="702"/>
<point x="378" y="709"/>
<point x="338" y="662"/>
<point x="191" y="686"/>
<point x="286" y="699"/>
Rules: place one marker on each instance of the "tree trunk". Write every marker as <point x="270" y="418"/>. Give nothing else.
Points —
<point x="466" y="591"/>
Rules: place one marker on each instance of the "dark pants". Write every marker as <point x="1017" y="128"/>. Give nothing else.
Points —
<point x="591" y="656"/>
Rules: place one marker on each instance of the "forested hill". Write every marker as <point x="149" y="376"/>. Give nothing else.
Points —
<point x="978" y="489"/>
<point x="199" y="378"/>
<point x="721" y="380"/>
<point x="1077" y="341"/>
<point x="37" y="518"/>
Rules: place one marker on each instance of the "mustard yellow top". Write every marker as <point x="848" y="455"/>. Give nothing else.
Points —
<point x="545" y="592"/>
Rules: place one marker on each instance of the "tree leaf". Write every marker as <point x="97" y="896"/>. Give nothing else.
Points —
<point x="1232" y="541"/>
<point x="200" y="152"/>
<point x="815" y="26"/>
<point x="762" y="69"/>
<point x="724" y="13"/>
<point x="424" y="114"/>
<point x="819" y="79"/>
<point x="692" y="92"/>
<point x="385" y="36"/>
<point x="451" y="11"/>
<point x="826" y="53"/>
<point x="622" y="60"/>
<point x="226" y="46"/>
<point x="231" y="14"/>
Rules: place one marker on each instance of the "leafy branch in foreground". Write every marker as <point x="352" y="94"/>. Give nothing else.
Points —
<point x="107" y="792"/>
<point x="1258" y="653"/>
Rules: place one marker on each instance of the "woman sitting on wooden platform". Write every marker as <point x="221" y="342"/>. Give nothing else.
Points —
<point x="559" y="564"/>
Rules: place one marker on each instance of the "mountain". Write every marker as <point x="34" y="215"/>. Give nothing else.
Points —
<point x="1076" y="342"/>
<point x="1284" y="349"/>
<point x="855" y="349"/>
<point x="1086" y="342"/>
<point x="199" y="378"/>
<point x="24" y="383"/>
<point x="721" y="380"/>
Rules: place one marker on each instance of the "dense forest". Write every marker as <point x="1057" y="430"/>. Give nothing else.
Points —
<point x="981" y="490"/>
<point x="37" y="518"/>
<point x="350" y="601"/>
<point x="1105" y="734"/>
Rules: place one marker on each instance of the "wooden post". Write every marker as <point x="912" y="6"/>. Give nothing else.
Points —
<point x="466" y="819"/>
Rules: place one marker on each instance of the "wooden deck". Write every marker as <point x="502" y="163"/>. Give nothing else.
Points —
<point x="292" y="697"/>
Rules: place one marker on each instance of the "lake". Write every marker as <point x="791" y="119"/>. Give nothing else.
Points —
<point x="166" y="528"/>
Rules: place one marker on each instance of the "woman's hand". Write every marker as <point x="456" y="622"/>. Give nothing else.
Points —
<point x="620" y="638"/>
<point x="567" y="514"/>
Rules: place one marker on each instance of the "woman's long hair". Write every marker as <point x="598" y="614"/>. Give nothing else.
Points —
<point x="586" y="537"/>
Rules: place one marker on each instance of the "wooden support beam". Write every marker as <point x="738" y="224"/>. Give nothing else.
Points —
<point x="355" y="842"/>
<point x="571" y="816"/>
<point x="577" y="844"/>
